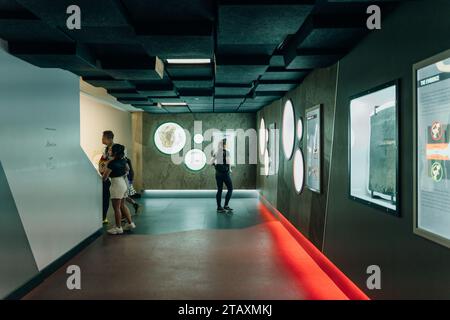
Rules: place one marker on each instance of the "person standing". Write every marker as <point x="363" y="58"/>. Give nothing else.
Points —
<point x="108" y="141"/>
<point x="221" y="162"/>
<point x="117" y="170"/>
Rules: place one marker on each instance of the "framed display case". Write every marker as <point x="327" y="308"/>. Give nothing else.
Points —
<point x="373" y="148"/>
<point x="314" y="148"/>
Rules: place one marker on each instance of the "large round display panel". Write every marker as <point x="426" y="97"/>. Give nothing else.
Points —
<point x="170" y="138"/>
<point x="262" y="137"/>
<point x="288" y="129"/>
<point x="298" y="171"/>
<point x="299" y="129"/>
<point x="195" y="159"/>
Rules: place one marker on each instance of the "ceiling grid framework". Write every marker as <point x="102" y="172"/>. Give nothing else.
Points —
<point x="257" y="49"/>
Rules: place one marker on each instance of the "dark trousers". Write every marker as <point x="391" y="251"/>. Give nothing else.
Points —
<point x="222" y="178"/>
<point x="106" y="196"/>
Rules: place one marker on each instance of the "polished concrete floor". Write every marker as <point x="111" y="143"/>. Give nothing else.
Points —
<point x="183" y="249"/>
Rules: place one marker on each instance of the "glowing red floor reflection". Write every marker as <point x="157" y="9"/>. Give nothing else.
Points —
<point x="315" y="275"/>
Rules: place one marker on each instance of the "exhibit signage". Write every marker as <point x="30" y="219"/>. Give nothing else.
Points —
<point x="432" y="200"/>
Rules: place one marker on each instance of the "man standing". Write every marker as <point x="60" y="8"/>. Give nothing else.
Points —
<point x="108" y="141"/>
<point x="221" y="162"/>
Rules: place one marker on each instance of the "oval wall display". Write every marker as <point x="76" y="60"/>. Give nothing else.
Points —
<point x="262" y="137"/>
<point x="195" y="159"/>
<point x="170" y="138"/>
<point x="288" y="129"/>
<point x="299" y="129"/>
<point x="298" y="172"/>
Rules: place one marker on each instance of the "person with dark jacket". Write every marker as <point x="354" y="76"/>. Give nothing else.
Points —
<point x="117" y="170"/>
<point x="221" y="162"/>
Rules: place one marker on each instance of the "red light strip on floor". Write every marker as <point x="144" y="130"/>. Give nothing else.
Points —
<point x="336" y="275"/>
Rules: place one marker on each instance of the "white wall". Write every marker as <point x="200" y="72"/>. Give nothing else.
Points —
<point x="96" y="117"/>
<point x="56" y="189"/>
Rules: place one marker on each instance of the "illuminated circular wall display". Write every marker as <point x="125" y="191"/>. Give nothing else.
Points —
<point x="299" y="129"/>
<point x="198" y="138"/>
<point x="298" y="171"/>
<point x="170" y="138"/>
<point x="262" y="137"/>
<point x="288" y="129"/>
<point x="195" y="159"/>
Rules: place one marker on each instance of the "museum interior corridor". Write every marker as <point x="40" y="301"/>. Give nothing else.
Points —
<point x="224" y="150"/>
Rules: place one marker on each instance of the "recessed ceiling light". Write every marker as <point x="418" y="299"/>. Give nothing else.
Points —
<point x="188" y="61"/>
<point x="173" y="104"/>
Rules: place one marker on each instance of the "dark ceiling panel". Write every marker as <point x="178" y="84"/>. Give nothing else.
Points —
<point x="177" y="109"/>
<point x="232" y="89"/>
<point x="157" y="90"/>
<point x="108" y="82"/>
<point x="280" y="74"/>
<point x="69" y="56"/>
<point x="133" y="68"/>
<point x="272" y="85"/>
<point x="259" y="48"/>
<point x="190" y="71"/>
<point x="240" y="69"/>
<point x="189" y="47"/>
<point x="125" y="93"/>
<point x="332" y="38"/>
<point x="193" y="82"/>
<point x="135" y="101"/>
<point x="143" y="11"/>
<point x="259" y="24"/>
<point x="307" y="59"/>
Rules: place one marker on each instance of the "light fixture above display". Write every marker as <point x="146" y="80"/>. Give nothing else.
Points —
<point x="195" y="159"/>
<point x="170" y="138"/>
<point x="173" y="104"/>
<point x="298" y="171"/>
<point x="288" y="129"/>
<point x="188" y="61"/>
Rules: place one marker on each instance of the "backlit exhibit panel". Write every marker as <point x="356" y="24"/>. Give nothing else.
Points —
<point x="288" y="129"/>
<point x="262" y="137"/>
<point x="433" y="149"/>
<point x="373" y="148"/>
<point x="313" y="149"/>
<point x="300" y="129"/>
<point x="298" y="171"/>
<point x="170" y="138"/>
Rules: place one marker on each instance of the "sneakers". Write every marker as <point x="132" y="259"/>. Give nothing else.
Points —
<point x="115" y="231"/>
<point x="105" y="221"/>
<point x="221" y="210"/>
<point x="129" y="226"/>
<point x="227" y="208"/>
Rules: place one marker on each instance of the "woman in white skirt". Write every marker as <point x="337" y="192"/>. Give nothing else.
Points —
<point x="117" y="170"/>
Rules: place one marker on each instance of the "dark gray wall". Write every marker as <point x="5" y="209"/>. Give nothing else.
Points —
<point x="158" y="170"/>
<point x="357" y="235"/>
<point x="307" y="210"/>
